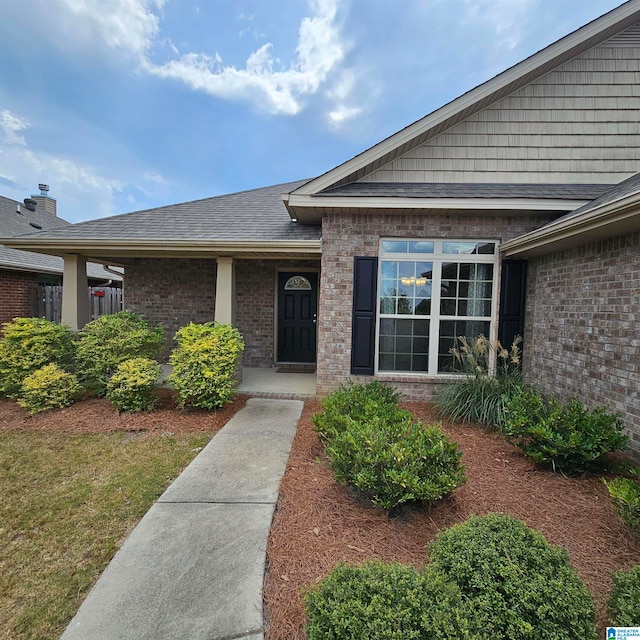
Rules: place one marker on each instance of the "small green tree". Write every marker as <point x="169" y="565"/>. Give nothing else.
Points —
<point x="205" y="364"/>
<point x="28" y="344"/>
<point x="111" y="339"/>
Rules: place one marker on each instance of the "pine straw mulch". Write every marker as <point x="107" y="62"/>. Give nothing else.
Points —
<point x="97" y="415"/>
<point x="318" y="524"/>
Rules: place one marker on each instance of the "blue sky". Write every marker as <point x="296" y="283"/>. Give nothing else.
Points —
<point x="122" y="105"/>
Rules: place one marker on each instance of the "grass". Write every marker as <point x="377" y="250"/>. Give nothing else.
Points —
<point x="66" y="504"/>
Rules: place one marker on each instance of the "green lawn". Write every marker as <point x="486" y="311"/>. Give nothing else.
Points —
<point x="66" y="504"/>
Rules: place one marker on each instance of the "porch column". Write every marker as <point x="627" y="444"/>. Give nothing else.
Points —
<point x="224" y="291"/>
<point x="75" y="297"/>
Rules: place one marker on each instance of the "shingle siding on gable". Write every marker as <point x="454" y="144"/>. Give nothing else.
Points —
<point x="578" y="123"/>
<point x="581" y="330"/>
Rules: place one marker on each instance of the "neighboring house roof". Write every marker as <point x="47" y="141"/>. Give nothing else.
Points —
<point x="254" y="222"/>
<point x="615" y="212"/>
<point x="479" y="98"/>
<point x="16" y="220"/>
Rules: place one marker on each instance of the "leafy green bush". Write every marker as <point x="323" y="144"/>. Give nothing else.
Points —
<point x="481" y="396"/>
<point x="625" y="493"/>
<point x="204" y="364"/>
<point x="624" y="601"/>
<point x="111" y="339"/>
<point x="385" y="602"/>
<point x="572" y="438"/>
<point x="28" y="344"/>
<point x="393" y="458"/>
<point x="355" y="401"/>
<point x="132" y="386"/>
<point x="517" y="584"/>
<point x="48" y="388"/>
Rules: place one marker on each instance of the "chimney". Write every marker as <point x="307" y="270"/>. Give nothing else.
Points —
<point x="44" y="201"/>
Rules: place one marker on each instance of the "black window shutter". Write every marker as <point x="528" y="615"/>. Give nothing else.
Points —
<point x="363" y="331"/>
<point x="512" y="301"/>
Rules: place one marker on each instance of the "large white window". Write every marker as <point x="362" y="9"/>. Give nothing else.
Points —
<point x="429" y="293"/>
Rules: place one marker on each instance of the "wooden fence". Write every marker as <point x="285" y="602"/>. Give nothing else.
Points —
<point x="102" y="300"/>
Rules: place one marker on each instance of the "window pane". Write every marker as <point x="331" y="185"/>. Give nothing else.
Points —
<point x="422" y="307"/>
<point x="389" y="269"/>
<point x="387" y="305"/>
<point x="394" y="246"/>
<point x="404" y="345"/>
<point x="469" y="248"/>
<point x="449" y="331"/>
<point x="487" y="247"/>
<point x="420" y="247"/>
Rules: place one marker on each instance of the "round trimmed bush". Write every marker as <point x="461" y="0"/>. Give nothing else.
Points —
<point x="624" y="601"/>
<point x="385" y="602"/>
<point x="395" y="459"/>
<point x="132" y="386"/>
<point x="518" y="584"/>
<point x="28" y="344"/>
<point x="205" y="364"/>
<point x="111" y="339"/>
<point x="48" y="388"/>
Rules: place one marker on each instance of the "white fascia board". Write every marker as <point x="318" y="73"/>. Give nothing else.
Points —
<point x="373" y="202"/>
<point x="30" y="268"/>
<point x="495" y="85"/>
<point x="105" y="245"/>
<point x="607" y="215"/>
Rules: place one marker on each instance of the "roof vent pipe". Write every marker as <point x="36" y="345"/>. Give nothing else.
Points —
<point x="30" y="203"/>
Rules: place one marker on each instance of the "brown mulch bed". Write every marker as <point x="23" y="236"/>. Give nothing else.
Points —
<point x="97" y="415"/>
<point x="318" y="524"/>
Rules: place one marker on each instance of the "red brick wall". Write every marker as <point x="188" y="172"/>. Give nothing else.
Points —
<point x="583" y="329"/>
<point x="17" y="294"/>
<point x="175" y="292"/>
<point x="347" y="235"/>
<point x="255" y="308"/>
<point x="172" y="292"/>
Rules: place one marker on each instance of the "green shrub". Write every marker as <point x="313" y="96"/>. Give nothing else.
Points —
<point x="355" y="401"/>
<point x="205" y="363"/>
<point x="624" y="601"/>
<point x="481" y="396"/>
<point x="625" y="493"/>
<point x="572" y="439"/>
<point x="28" y="344"/>
<point x="132" y="386"/>
<point x="395" y="459"/>
<point x="48" y="388"/>
<point x="385" y="602"/>
<point x="517" y="584"/>
<point x="111" y="339"/>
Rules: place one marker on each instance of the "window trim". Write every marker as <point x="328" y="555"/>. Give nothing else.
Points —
<point x="437" y="258"/>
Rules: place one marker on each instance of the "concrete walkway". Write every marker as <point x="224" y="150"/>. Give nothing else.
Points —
<point x="193" y="567"/>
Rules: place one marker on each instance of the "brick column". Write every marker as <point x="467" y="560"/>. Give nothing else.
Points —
<point x="75" y="297"/>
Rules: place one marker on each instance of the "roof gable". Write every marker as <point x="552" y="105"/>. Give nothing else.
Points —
<point x="475" y="101"/>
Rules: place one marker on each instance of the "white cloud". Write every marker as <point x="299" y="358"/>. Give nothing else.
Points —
<point x="11" y="125"/>
<point x="341" y="95"/>
<point x="318" y="53"/>
<point x="506" y="18"/>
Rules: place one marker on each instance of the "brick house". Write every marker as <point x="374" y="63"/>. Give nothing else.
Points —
<point x="514" y="209"/>
<point x="22" y="271"/>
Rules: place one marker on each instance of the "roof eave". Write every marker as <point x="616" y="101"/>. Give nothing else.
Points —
<point x="129" y="247"/>
<point x="309" y="209"/>
<point x="609" y="220"/>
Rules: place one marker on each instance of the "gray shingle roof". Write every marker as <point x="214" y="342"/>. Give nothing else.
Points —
<point x="622" y="189"/>
<point x="258" y="214"/>
<point x="469" y="190"/>
<point x="14" y="224"/>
